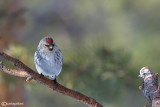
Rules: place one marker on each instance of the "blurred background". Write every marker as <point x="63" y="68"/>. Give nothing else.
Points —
<point x="104" y="44"/>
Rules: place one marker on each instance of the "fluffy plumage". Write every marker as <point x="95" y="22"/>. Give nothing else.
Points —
<point x="48" y="58"/>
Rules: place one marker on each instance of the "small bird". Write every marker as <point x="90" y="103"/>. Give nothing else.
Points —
<point x="48" y="58"/>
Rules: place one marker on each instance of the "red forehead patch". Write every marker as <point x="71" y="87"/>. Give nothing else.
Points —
<point x="49" y="40"/>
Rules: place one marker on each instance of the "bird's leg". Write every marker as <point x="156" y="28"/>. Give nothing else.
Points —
<point x="42" y="75"/>
<point x="55" y="81"/>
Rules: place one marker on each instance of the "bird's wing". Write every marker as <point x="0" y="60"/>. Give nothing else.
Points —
<point x="58" y="57"/>
<point x="37" y="58"/>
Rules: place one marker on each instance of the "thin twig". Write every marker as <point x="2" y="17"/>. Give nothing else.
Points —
<point x="14" y="72"/>
<point x="30" y="74"/>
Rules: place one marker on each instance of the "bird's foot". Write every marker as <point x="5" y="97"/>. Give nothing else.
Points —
<point x="55" y="81"/>
<point x="42" y="75"/>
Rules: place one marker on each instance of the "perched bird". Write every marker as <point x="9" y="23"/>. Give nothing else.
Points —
<point x="48" y="58"/>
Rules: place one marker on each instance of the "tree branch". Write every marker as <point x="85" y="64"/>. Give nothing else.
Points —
<point x="28" y="73"/>
<point x="150" y="87"/>
<point x="14" y="72"/>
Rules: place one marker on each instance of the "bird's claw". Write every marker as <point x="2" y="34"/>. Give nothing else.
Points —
<point x="42" y="75"/>
<point x="55" y="81"/>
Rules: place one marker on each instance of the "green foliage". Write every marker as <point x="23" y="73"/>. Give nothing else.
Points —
<point x="97" y="71"/>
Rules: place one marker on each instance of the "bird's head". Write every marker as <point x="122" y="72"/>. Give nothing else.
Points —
<point x="144" y="72"/>
<point x="46" y="45"/>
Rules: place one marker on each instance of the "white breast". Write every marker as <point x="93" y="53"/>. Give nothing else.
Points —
<point x="48" y="66"/>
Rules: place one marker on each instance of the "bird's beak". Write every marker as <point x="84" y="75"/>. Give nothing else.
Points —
<point x="50" y="47"/>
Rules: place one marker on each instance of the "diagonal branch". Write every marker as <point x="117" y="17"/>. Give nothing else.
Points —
<point x="28" y="73"/>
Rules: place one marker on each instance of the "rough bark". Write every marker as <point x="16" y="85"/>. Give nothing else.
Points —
<point x="151" y="88"/>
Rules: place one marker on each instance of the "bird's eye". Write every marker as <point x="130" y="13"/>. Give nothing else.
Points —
<point x="47" y="45"/>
